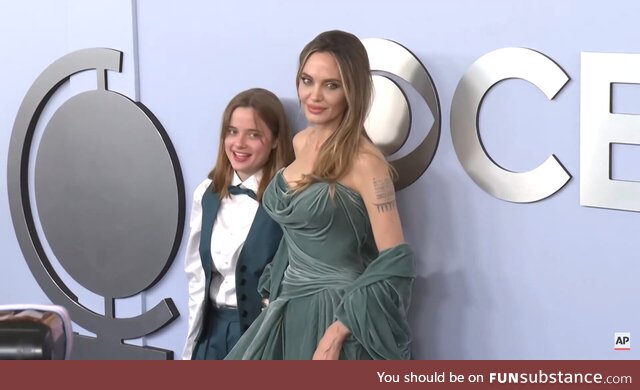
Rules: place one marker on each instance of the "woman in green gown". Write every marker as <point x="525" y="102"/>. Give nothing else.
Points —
<point x="339" y="286"/>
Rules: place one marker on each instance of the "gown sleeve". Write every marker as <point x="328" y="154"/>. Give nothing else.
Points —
<point x="375" y="307"/>
<point x="269" y="282"/>
<point x="264" y="283"/>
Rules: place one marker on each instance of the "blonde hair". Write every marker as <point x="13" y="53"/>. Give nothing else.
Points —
<point x="269" y="109"/>
<point x="335" y="156"/>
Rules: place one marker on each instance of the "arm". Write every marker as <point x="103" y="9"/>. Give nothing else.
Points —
<point x="194" y="271"/>
<point x="373" y="181"/>
<point x="386" y="281"/>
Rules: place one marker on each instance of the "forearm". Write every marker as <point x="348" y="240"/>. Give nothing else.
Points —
<point x="330" y="345"/>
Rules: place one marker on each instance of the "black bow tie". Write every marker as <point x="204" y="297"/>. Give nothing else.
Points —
<point x="237" y="190"/>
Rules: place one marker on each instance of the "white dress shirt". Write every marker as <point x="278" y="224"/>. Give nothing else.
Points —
<point x="230" y="231"/>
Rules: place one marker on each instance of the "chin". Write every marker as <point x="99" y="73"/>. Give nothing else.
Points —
<point x="239" y="168"/>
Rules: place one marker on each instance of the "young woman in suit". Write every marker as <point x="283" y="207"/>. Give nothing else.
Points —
<point x="232" y="238"/>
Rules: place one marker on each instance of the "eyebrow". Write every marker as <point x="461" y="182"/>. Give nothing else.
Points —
<point x="303" y="74"/>
<point x="249" y="129"/>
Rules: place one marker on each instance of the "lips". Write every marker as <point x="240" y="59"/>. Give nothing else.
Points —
<point x="316" y="110"/>
<point x="240" y="157"/>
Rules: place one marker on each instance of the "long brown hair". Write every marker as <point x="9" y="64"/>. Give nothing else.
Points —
<point x="269" y="109"/>
<point x="335" y="156"/>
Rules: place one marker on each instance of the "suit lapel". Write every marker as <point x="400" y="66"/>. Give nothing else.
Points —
<point x="210" y="206"/>
<point x="257" y="228"/>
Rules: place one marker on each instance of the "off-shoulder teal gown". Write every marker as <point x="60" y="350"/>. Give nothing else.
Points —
<point x="328" y="268"/>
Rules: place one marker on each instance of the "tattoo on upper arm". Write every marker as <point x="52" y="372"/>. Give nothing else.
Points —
<point x="385" y="194"/>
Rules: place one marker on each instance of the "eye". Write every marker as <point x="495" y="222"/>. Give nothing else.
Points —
<point x="232" y="131"/>
<point x="333" y="86"/>
<point x="255" y="134"/>
<point x="305" y="80"/>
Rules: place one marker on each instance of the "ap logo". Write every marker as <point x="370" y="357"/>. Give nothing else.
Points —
<point x="622" y="341"/>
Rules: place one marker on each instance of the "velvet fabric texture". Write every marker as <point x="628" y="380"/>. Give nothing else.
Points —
<point x="327" y="268"/>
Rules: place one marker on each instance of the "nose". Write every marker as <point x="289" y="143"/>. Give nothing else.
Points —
<point x="241" y="140"/>
<point x="316" y="93"/>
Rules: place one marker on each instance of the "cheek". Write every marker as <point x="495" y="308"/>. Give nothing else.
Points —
<point x="338" y="101"/>
<point x="266" y="148"/>
<point x="302" y="91"/>
<point x="261" y="157"/>
<point x="342" y="98"/>
<point x="227" y="143"/>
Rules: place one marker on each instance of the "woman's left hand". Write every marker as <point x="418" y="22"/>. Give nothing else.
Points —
<point x="330" y="344"/>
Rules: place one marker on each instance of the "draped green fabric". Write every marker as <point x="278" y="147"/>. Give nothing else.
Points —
<point x="328" y="268"/>
<point x="374" y="308"/>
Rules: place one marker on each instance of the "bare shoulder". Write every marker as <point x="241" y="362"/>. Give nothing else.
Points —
<point x="371" y="178"/>
<point x="369" y="163"/>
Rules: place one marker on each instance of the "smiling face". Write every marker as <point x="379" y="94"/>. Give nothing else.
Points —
<point x="248" y="142"/>
<point x="321" y="91"/>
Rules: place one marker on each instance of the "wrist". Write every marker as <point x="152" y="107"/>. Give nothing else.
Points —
<point x="340" y="330"/>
